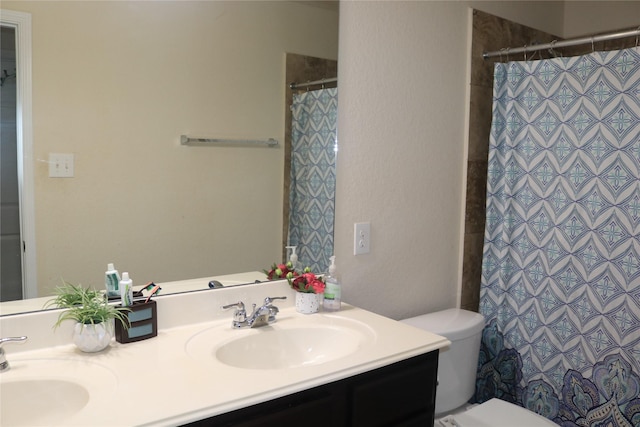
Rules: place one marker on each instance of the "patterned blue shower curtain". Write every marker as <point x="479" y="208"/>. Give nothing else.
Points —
<point x="313" y="177"/>
<point x="561" y="267"/>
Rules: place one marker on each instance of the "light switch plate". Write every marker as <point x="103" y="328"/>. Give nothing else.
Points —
<point x="361" y="238"/>
<point x="60" y="165"/>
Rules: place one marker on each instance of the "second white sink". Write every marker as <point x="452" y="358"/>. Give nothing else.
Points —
<point x="33" y="402"/>
<point x="51" y="391"/>
<point x="289" y="343"/>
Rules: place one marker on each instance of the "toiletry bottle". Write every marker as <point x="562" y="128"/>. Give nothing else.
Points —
<point x="126" y="290"/>
<point x="293" y="258"/>
<point x="111" y="281"/>
<point x="332" y="289"/>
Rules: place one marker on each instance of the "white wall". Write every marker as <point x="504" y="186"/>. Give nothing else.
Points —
<point x="403" y="98"/>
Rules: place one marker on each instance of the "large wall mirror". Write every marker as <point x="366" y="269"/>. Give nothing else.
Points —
<point x="115" y="83"/>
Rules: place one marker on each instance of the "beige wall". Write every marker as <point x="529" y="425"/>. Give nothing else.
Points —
<point x="116" y="83"/>
<point x="403" y="71"/>
<point x="591" y="17"/>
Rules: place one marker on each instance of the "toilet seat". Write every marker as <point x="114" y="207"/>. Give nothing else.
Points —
<point x="498" y="413"/>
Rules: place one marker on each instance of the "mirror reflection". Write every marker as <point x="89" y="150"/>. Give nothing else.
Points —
<point x="114" y="85"/>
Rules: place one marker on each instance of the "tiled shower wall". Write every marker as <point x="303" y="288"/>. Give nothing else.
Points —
<point x="491" y="33"/>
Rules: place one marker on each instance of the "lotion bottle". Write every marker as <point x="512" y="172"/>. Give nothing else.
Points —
<point x="332" y="289"/>
<point x="111" y="281"/>
<point x="126" y="290"/>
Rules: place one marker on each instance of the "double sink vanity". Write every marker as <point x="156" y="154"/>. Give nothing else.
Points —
<point x="351" y="367"/>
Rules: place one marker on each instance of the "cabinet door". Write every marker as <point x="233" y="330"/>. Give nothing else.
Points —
<point x="401" y="394"/>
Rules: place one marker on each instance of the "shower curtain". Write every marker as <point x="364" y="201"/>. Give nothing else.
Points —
<point x="560" y="287"/>
<point x="313" y="177"/>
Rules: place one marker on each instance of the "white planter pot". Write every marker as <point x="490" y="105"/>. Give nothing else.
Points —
<point x="91" y="338"/>
<point x="307" y="303"/>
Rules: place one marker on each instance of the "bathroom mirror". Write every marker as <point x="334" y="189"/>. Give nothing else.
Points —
<point x="115" y="84"/>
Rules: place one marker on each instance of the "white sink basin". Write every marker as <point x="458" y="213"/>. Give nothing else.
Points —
<point x="47" y="399"/>
<point x="289" y="343"/>
<point x="50" y="391"/>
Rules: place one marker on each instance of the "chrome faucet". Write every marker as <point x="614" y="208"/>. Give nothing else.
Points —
<point x="4" y="363"/>
<point x="261" y="316"/>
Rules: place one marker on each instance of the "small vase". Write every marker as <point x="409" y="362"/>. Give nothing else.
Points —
<point x="307" y="303"/>
<point x="92" y="337"/>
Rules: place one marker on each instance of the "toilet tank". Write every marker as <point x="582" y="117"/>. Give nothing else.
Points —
<point x="458" y="363"/>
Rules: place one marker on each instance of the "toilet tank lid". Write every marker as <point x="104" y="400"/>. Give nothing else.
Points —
<point x="453" y="324"/>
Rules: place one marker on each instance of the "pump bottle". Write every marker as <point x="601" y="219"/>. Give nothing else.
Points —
<point x="332" y="289"/>
<point x="293" y="258"/>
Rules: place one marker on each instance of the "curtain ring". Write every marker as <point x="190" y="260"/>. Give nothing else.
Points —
<point x="593" y="49"/>
<point x="525" y="52"/>
<point x="552" y="52"/>
<point x="506" y="51"/>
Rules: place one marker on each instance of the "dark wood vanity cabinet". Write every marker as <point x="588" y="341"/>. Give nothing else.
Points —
<point x="400" y="395"/>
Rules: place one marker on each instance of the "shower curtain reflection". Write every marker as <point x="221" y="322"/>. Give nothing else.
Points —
<point x="313" y="177"/>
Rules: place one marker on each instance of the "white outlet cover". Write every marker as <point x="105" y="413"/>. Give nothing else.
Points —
<point x="61" y="165"/>
<point x="361" y="238"/>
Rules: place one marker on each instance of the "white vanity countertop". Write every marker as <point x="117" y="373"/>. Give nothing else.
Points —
<point x="158" y="382"/>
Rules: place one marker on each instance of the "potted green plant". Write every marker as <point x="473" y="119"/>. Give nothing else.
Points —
<point x="93" y="315"/>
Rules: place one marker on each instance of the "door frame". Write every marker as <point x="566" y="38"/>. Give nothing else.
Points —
<point x="21" y="22"/>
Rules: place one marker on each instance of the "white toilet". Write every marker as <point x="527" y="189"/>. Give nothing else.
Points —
<point x="457" y="367"/>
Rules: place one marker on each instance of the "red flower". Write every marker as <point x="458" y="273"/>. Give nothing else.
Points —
<point x="307" y="282"/>
<point x="300" y="282"/>
<point x="279" y="271"/>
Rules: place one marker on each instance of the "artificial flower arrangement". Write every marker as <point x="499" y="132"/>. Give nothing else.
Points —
<point x="305" y="282"/>
<point x="279" y="271"/>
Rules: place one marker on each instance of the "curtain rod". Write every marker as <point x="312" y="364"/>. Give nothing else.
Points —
<point x="563" y="43"/>
<point x="314" y="83"/>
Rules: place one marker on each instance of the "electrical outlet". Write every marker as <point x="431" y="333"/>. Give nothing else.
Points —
<point x="60" y="165"/>
<point x="361" y="238"/>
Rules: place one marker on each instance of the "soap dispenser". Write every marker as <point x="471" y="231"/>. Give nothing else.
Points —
<point x="332" y="289"/>
<point x="293" y="258"/>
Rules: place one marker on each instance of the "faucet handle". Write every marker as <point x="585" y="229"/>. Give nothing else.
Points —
<point x="12" y="339"/>
<point x="4" y="364"/>
<point x="269" y="300"/>
<point x="239" y="305"/>
<point x="273" y="310"/>
<point x="240" y="315"/>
